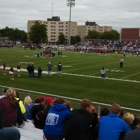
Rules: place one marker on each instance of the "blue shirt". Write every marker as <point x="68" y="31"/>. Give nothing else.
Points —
<point x="111" y="126"/>
<point x="55" y="120"/>
<point x="28" y="114"/>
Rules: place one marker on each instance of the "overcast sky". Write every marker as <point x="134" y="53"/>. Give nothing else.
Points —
<point x="115" y="13"/>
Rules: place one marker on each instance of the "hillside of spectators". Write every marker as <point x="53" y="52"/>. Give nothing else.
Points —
<point x="107" y="46"/>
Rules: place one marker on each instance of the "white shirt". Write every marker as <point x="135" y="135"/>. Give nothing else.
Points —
<point x="121" y="60"/>
<point x="102" y="71"/>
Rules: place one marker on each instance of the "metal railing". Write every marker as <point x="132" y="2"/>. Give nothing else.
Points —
<point x="97" y="104"/>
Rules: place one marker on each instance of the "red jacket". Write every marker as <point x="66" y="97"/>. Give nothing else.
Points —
<point x="9" y="112"/>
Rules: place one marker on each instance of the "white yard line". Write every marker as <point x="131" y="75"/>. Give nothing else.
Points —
<point x="133" y="81"/>
<point x="81" y="75"/>
<point x="130" y="75"/>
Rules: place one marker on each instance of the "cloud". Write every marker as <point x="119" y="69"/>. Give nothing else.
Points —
<point x="115" y="13"/>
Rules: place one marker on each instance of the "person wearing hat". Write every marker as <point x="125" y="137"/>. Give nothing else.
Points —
<point x="41" y="115"/>
<point x="49" y="69"/>
<point x="42" y="99"/>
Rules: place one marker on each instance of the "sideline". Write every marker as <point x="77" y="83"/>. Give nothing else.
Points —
<point x="81" y="75"/>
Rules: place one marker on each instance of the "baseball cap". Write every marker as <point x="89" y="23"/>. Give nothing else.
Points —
<point x="42" y="98"/>
<point x="49" y="100"/>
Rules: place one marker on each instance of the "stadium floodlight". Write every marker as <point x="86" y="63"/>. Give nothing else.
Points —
<point x="70" y="3"/>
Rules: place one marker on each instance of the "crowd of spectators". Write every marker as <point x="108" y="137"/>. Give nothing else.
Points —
<point x="107" y="46"/>
<point x="58" y="120"/>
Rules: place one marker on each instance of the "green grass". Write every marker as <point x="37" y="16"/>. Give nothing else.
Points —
<point x="80" y="78"/>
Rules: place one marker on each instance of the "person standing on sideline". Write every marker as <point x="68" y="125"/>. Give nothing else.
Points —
<point x="11" y="72"/>
<point x="4" y="68"/>
<point x="39" y="72"/>
<point x="103" y="72"/>
<point x="121" y="62"/>
<point x="18" y="70"/>
<point x="59" y="69"/>
<point x="49" y="69"/>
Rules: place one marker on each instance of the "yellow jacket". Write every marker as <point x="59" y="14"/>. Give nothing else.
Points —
<point x="21" y="105"/>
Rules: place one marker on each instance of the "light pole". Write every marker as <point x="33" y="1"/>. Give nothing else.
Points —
<point x="70" y="3"/>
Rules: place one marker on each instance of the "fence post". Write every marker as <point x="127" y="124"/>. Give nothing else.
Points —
<point x="2" y="90"/>
<point x="98" y="109"/>
<point x="28" y="92"/>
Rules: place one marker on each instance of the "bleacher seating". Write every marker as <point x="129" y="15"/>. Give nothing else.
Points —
<point x="29" y="132"/>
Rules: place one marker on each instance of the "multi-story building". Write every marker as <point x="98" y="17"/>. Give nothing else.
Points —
<point x="55" y="26"/>
<point x="83" y="29"/>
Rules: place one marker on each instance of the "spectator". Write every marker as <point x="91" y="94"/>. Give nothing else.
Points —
<point x="41" y="115"/>
<point x="104" y="111"/>
<point x="129" y="118"/>
<point x="39" y="72"/>
<point x="4" y="68"/>
<point x="42" y="99"/>
<point x="9" y="105"/>
<point x="20" y="111"/>
<point x="82" y="122"/>
<point x="7" y="133"/>
<point x="35" y="109"/>
<point x="111" y="126"/>
<point x="32" y="70"/>
<point x="134" y="134"/>
<point x="49" y="69"/>
<point x="49" y="102"/>
<point x="28" y="106"/>
<point x="56" y="118"/>
<point x="29" y="69"/>
<point x="69" y="105"/>
<point x="11" y="72"/>
<point x="59" y="66"/>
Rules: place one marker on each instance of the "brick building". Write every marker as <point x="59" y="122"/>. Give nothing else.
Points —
<point x="130" y="34"/>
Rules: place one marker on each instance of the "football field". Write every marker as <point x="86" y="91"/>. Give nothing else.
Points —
<point x="81" y="75"/>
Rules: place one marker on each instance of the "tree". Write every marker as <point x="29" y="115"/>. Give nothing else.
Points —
<point x="75" y="39"/>
<point x="92" y="34"/>
<point x="14" y="34"/>
<point x="72" y="38"/>
<point x="61" y="38"/>
<point x="113" y="34"/>
<point x="38" y="33"/>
